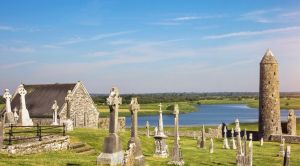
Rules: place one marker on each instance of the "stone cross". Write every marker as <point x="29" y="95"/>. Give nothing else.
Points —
<point x="245" y="142"/>
<point x="148" y="129"/>
<point x="113" y="101"/>
<point x="160" y="121"/>
<point x="68" y="100"/>
<point x="134" y="107"/>
<point x="24" y="114"/>
<point x="176" y="157"/>
<point x="286" y="161"/>
<point x="232" y="141"/>
<point x="250" y="155"/>
<point x="239" y="140"/>
<point x="292" y="124"/>
<point x="281" y="147"/>
<point x="7" y="96"/>
<point x="225" y="141"/>
<point x="55" y="108"/>
<point x="211" y="146"/>
<point x="155" y="131"/>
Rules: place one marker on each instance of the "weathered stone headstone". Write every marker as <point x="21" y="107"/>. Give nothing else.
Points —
<point x="176" y="158"/>
<point x="281" y="147"/>
<point x="261" y="141"/>
<point x="211" y="146"/>
<point x="24" y="118"/>
<point x="225" y="140"/>
<point x="69" y="126"/>
<point x="287" y="156"/>
<point x="194" y="135"/>
<point x="240" y="157"/>
<point x="112" y="149"/>
<point x="291" y="123"/>
<point x="161" y="147"/>
<point x="8" y="115"/>
<point x="16" y="116"/>
<point x="250" y="155"/>
<point x="269" y="100"/>
<point x="232" y="141"/>
<point x="201" y="142"/>
<point x="134" y="107"/>
<point x="55" y="108"/>
<point x="245" y="142"/>
<point x="147" y="129"/>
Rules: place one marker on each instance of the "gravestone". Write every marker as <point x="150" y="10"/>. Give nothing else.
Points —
<point x="281" y="148"/>
<point x="161" y="147"/>
<point x="16" y="116"/>
<point x="201" y="143"/>
<point x="291" y="123"/>
<point x="250" y="155"/>
<point x="112" y="149"/>
<point x="240" y="157"/>
<point x="55" y="108"/>
<point x="69" y="126"/>
<point x="261" y="141"/>
<point x="148" y="129"/>
<point x="24" y="118"/>
<point x="8" y="115"/>
<point x="176" y="158"/>
<point x="232" y="141"/>
<point x="287" y="156"/>
<point x="225" y="141"/>
<point x="211" y="146"/>
<point x="134" y="107"/>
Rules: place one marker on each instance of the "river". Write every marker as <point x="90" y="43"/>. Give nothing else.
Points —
<point x="210" y="115"/>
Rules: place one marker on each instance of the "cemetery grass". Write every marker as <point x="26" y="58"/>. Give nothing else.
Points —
<point x="266" y="155"/>
<point x="2" y="106"/>
<point x="186" y="107"/>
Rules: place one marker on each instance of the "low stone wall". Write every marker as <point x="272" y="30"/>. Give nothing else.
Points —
<point x="104" y="123"/>
<point x="288" y="138"/>
<point x="54" y="143"/>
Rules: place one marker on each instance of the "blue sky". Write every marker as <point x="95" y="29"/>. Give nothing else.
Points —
<point x="148" y="46"/>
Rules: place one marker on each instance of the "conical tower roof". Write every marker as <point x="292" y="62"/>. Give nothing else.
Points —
<point x="268" y="57"/>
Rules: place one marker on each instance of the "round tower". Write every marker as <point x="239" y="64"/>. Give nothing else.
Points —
<point x="269" y="100"/>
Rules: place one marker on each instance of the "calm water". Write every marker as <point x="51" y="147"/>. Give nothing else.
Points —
<point x="210" y="115"/>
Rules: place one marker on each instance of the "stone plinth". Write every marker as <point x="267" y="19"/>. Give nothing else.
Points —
<point x="161" y="147"/>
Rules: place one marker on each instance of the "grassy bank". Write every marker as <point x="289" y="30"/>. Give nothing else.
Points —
<point x="266" y="155"/>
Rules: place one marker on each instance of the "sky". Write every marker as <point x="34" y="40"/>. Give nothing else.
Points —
<point x="148" y="46"/>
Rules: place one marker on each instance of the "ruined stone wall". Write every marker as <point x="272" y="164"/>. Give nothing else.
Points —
<point x="104" y="123"/>
<point x="288" y="138"/>
<point x="42" y="121"/>
<point x="48" y="144"/>
<point x="83" y="110"/>
<point x="269" y="101"/>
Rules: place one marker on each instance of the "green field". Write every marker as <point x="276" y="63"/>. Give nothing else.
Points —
<point x="193" y="156"/>
<point x="185" y="107"/>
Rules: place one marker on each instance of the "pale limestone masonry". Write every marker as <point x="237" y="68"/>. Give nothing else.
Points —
<point x="269" y="101"/>
<point x="56" y="143"/>
<point x="83" y="110"/>
<point x="104" y="123"/>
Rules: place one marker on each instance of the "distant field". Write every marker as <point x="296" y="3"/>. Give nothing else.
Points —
<point x="185" y="107"/>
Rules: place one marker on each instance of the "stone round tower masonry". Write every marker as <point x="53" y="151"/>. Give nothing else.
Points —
<point x="269" y="99"/>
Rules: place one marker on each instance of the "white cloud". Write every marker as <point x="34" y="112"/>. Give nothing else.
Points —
<point x="261" y="16"/>
<point x="252" y="33"/>
<point x="23" y="49"/>
<point x="15" y="65"/>
<point x="6" y="28"/>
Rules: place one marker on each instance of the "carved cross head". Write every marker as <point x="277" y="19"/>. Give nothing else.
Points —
<point x="68" y="98"/>
<point x="114" y="97"/>
<point x="176" y="109"/>
<point x="7" y="95"/>
<point x="134" y="105"/>
<point x="22" y="91"/>
<point x="55" y="106"/>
